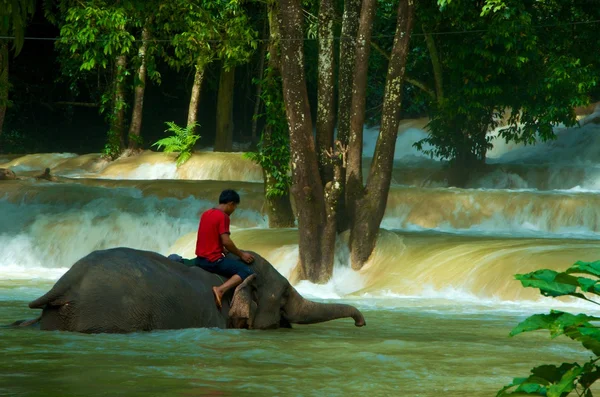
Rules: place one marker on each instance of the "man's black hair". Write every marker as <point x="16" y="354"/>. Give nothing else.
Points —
<point x="229" y="196"/>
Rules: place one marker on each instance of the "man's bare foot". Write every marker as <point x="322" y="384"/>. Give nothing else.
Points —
<point x="215" y="291"/>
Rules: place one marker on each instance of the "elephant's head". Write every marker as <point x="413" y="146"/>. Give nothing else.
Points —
<point x="267" y="300"/>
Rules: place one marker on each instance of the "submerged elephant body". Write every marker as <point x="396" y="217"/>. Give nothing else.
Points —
<point x="125" y="290"/>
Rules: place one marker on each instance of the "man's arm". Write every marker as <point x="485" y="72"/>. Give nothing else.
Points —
<point x="230" y="246"/>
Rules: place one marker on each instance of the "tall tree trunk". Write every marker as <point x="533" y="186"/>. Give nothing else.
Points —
<point x="195" y="97"/>
<point x="325" y="91"/>
<point x="437" y="66"/>
<point x="117" y="128"/>
<point x="135" y="127"/>
<point x="371" y="207"/>
<point x="224" y="134"/>
<point x="354" y="176"/>
<point x="316" y="236"/>
<point x="278" y="208"/>
<point x="257" y="103"/>
<point x="350" y="23"/>
<point x="3" y="82"/>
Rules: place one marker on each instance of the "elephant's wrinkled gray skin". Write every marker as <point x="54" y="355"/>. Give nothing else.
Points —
<point x="125" y="290"/>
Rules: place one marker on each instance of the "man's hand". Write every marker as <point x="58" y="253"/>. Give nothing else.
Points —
<point x="246" y="257"/>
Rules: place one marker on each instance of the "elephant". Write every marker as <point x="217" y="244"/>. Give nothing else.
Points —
<point x="121" y="290"/>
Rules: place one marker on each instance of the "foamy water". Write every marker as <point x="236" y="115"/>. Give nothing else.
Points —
<point x="447" y="245"/>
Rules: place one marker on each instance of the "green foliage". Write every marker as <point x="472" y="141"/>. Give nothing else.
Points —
<point x="93" y="34"/>
<point x="96" y="33"/>
<point x="273" y="153"/>
<point x="14" y="15"/>
<point x="182" y="141"/>
<point x="203" y="30"/>
<point x="504" y="59"/>
<point x="112" y="148"/>
<point x="550" y="380"/>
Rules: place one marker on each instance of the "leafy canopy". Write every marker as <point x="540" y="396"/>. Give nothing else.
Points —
<point x="511" y="56"/>
<point x="203" y="30"/>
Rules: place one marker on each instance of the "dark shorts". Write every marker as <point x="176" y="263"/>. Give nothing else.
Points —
<point x="225" y="267"/>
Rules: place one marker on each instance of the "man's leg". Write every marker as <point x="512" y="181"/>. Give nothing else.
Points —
<point x="219" y="291"/>
<point x="237" y="272"/>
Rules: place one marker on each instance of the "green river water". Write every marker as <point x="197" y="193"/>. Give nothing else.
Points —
<point x="414" y="351"/>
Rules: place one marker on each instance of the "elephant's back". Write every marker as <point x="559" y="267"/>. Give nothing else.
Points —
<point x="141" y="290"/>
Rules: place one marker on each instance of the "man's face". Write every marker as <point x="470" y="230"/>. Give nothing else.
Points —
<point x="230" y="209"/>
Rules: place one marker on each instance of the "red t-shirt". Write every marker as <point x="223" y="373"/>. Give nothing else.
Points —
<point x="213" y="223"/>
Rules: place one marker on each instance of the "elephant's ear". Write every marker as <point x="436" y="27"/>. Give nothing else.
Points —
<point x="243" y="308"/>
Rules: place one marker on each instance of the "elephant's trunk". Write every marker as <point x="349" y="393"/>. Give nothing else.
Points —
<point x="298" y="310"/>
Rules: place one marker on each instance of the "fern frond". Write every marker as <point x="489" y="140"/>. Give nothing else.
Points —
<point x="181" y="141"/>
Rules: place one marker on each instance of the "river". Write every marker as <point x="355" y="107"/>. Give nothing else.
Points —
<point x="438" y="293"/>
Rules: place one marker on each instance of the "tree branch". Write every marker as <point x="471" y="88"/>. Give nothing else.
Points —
<point x="409" y="80"/>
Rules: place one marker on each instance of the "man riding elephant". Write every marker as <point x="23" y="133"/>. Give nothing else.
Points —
<point x="212" y="241"/>
<point x="126" y="290"/>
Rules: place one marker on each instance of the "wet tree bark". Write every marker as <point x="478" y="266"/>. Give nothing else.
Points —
<point x="224" y="133"/>
<point x="354" y="176"/>
<point x="325" y="90"/>
<point x="370" y="207"/>
<point x="195" y="97"/>
<point x="316" y="234"/>
<point x="135" y="127"/>
<point x="3" y="82"/>
<point x="350" y="23"/>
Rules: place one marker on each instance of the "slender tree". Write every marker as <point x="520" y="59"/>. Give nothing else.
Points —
<point x="370" y="204"/>
<point x="326" y="87"/>
<point x="135" y="127"/>
<point x="224" y="125"/>
<point x="193" y="39"/>
<point x="202" y="31"/>
<point x="354" y="177"/>
<point x="237" y="39"/>
<point x="96" y="36"/>
<point x="347" y="50"/>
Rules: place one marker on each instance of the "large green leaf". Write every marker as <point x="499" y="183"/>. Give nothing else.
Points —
<point x="553" y="283"/>
<point x="567" y="382"/>
<point x="592" y="268"/>
<point x="546" y="380"/>
<point x="577" y="327"/>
